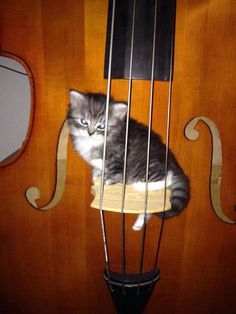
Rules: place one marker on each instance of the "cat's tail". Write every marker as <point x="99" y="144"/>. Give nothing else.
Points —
<point x="179" y="196"/>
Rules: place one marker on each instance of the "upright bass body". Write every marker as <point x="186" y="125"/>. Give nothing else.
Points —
<point x="54" y="259"/>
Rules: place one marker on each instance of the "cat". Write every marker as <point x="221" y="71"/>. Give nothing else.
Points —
<point x="86" y="120"/>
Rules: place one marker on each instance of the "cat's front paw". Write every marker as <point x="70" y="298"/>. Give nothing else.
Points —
<point x="109" y="181"/>
<point x="113" y="179"/>
<point x="96" y="174"/>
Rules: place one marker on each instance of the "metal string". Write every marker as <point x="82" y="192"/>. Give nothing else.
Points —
<point x="167" y="147"/>
<point x="167" y="142"/>
<point x="104" y="148"/>
<point x="126" y="146"/>
<point x="148" y="147"/>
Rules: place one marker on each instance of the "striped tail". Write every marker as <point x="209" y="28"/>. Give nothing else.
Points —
<point x="179" y="196"/>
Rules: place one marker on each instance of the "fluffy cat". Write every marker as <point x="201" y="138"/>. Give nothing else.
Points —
<point x="86" y="118"/>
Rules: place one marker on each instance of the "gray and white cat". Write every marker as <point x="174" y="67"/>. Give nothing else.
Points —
<point x="86" y="118"/>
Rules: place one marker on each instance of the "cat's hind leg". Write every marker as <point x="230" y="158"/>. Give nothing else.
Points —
<point x="157" y="185"/>
<point x="139" y="223"/>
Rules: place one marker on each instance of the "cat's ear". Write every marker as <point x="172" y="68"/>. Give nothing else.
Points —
<point x="119" y="109"/>
<point x="76" y="97"/>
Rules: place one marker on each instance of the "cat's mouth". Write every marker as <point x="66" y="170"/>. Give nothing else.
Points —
<point x="83" y="134"/>
<point x="95" y="136"/>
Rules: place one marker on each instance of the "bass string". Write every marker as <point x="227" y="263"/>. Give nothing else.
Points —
<point x="102" y="218"/>
<point x="148" y="148"/>
<point x="141" y="259"/>
<point x="123" y="249"/>
<point x="167" y="139"/>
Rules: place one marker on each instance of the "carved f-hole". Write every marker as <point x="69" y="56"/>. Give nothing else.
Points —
<point x="216" y="163"/>
<point x="33" y="193"/>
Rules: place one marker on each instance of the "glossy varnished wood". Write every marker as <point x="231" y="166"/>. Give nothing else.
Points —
<point x="52" y="262"/>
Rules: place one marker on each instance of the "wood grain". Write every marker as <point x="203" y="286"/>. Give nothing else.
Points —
<point x="52" y="262"/>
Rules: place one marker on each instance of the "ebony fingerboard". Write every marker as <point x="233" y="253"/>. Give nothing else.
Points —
<point x="143" y="39"/>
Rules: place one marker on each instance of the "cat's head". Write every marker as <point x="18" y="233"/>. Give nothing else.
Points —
<point x="87" y="115"/>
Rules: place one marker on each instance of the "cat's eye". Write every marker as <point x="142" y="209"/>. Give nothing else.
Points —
<point x="84" y="122"/>
<point x="100" y="126"/>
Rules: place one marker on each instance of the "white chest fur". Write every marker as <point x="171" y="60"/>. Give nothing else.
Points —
<point x="86" y="146"/>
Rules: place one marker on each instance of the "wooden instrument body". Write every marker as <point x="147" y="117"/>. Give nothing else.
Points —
<point x="54" y="260"/>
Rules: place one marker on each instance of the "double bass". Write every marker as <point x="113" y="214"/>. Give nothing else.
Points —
<point x="53" y="260"/>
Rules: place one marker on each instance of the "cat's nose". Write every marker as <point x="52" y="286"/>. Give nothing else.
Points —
<point x="91" y="131"/>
